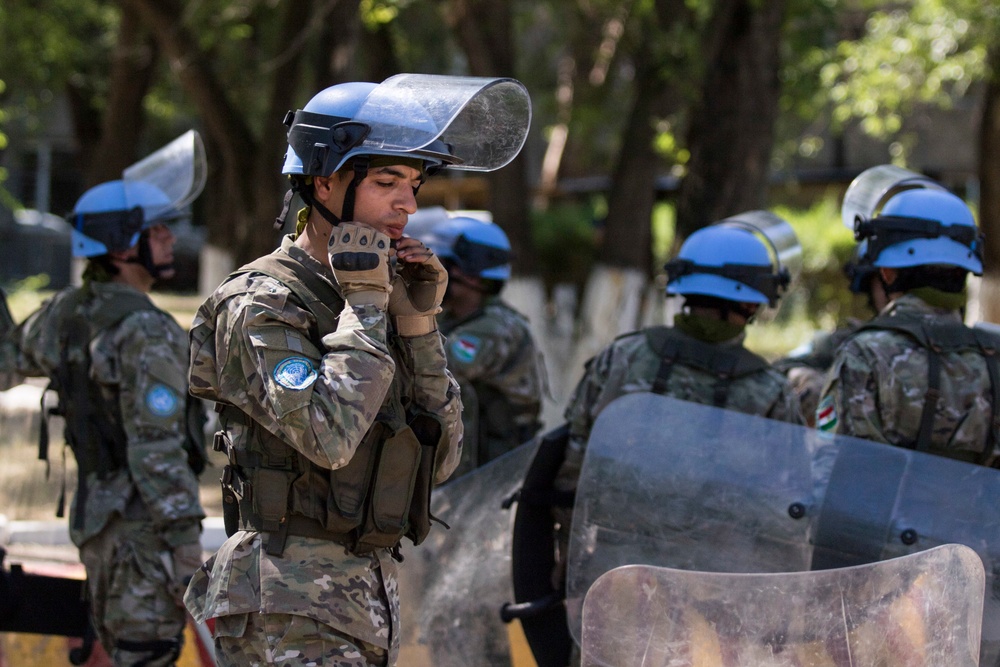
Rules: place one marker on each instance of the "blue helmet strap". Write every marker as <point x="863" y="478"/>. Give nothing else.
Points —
<point x="145" y="258"/>
<point x="885" y="231"/>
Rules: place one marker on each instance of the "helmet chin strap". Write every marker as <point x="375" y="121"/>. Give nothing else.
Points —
<point x="300" y="187"/>
<point x="145" y="259"/>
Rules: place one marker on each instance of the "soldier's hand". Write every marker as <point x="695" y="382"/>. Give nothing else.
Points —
<point x="417" y="289"/>
<point x="359" y="257"/>
<point x="185" y="560"/>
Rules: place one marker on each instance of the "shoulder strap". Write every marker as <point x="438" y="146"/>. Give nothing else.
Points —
<point x="317" y="295"/>
<point x="726" y="363"/>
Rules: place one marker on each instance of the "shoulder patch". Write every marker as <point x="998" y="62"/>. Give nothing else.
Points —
<point x="162" y="401"/>
<point x="826" y="415"/>
<point x="465" y="347"/>
<point x="295" y="373"/>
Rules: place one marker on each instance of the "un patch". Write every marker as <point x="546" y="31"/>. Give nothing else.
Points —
<point x="465" y="348"/>
<point x="295" y="373"/>
<point x="162" y="401"/>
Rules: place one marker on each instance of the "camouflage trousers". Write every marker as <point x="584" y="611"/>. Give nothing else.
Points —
<point x="137" y="620"/>
<point x="287" y="640"/>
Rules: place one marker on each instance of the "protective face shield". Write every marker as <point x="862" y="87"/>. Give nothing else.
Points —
<point x="111" y="217"/>
<point x="464" y="123"/>
<point x="478" y="247"/>
<point x="909" y="220"/>
<point x="744" y="258"/>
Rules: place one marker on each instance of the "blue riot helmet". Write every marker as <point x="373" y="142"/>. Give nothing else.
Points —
<point x="477" y="247"/>
<point x="111" y="216"/>
<point x="734" y="259"/>
<point x="467" y="123"/>
<point x="922" y="227"/>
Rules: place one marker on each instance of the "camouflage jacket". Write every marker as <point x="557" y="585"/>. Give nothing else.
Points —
<point x="243" y="347"/>
<point x="630" y="365"/>
<point x="141" y="364"/>
<point x="877" y="385"/>
<point x="808" y="366"/>
<point x="500" y="369"/>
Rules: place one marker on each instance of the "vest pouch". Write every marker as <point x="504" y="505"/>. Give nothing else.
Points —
<point x="349" y="485"/>
<point x="270" y="496"/>
<point x="392" y="490"/>
<point x="429" y="433"/>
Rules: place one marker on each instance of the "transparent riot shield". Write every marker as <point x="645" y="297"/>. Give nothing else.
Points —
<point x="883" y="502"/>
<point x="870" y="190"/>
<point x="677" y="484"/>
<point x="483" y="120"/>
<point x="179" y="170"/>
<point x="922" y="610"/>
<point x="453" y="585"/>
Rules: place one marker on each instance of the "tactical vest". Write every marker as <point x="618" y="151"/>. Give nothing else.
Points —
<point x="93" y="426"/>
<point x="725" y="362"/>
<point x="940" y="338"/>
<point x="380" y="496"/>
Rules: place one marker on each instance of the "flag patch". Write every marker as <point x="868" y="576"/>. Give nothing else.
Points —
<point x="465" y="348"/>
<point x="826" y="415"/>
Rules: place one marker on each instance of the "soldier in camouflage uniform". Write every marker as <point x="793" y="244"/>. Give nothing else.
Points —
<point x="808" y="366"/>
<point x="119" y="367"/>
<point x="725" y="273"/>
<point x="490" y="348"/>
<point x="916" y="376"/>
<point x="337" y="408"/>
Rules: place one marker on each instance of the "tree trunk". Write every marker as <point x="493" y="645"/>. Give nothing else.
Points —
<point x="731" y="131"/>
<point x="132" y="70"/>
<point x="989" y="189"/>
<point x="484" y="28"/>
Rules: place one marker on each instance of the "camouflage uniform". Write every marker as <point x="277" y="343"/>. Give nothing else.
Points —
<point x="877" y="386"/>
<point x="135" y="515"/>
<point x="502" y="375"/>
<point x="807" y="371"/>
<point x="316" y="602"/>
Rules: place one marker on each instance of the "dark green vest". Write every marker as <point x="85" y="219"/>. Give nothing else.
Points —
<point x="380" y="496"/>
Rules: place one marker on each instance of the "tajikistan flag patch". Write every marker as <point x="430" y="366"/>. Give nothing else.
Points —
<point x="826" y="415"/>
<point x="465" y="348"/>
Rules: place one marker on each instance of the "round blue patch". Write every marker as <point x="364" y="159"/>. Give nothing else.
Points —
<point x="162" y="401"/>
<point x="295" y="373"/>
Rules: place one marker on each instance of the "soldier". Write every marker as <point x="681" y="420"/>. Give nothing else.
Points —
<point x="916" y="376"/>
<point x="338" y="413"/>
<point x="490" y="347"/>
<point x="808" y="366"/>
<point x="118" y="365"/>
<point x="725" y="272"/>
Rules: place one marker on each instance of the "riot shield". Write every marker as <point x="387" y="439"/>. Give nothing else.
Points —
<point x="693" y="487"/>
<point x="922" y="610"/>
<point x="453" y="585"/>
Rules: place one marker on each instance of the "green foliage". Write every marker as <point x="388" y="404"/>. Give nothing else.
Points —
<point x="26" y="295"/>
<point x="566" y="238"/>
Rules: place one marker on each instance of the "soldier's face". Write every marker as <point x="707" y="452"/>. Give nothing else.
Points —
<point x="385" y="199"/>
<point x="161" y="247"/>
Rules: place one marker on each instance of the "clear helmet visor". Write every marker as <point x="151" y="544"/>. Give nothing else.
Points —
<point x="780" y="237"/>
<point x="872" y="188"/>
<point x="178" y="170"/>
<point x="483" y="121"/>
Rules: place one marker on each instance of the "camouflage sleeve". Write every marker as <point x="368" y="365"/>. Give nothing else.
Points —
<point x="474" y="353"/>
<point x="31" y="349"/>
<point x="152" y="365"/>
<point x="321" y="402"/>
<point x="8" y="349"/>
<point x="580" y="415"/>
<point x="849" y="405"/>
<point x="437" y="394"/>
<point x="787" y="407"/>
